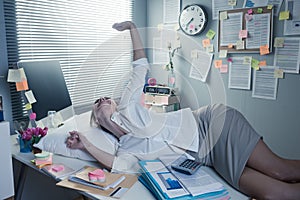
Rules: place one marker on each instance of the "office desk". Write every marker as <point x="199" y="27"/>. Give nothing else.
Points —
<point x="135" y="193"/>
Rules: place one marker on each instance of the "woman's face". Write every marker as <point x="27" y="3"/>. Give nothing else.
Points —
<point x="104" y="107"/>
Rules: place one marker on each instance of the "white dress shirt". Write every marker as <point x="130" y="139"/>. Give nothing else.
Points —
<point x="150" y="134"/>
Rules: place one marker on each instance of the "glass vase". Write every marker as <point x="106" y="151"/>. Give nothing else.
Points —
<point x="171" y="79"/>
<point x="25" y="145"/>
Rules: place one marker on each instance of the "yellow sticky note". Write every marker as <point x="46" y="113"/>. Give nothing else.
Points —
<point x="223" y="54"/>
<point x="247" y="60"/>
<point x="206" y="42"/>
<point x="28" y="106"/>
<point x="232" y="2"/>
<point x="278" y="73"/>
<point x="21" y="86"/>
<point x="240" y="44"/>
<point x="210" y="48"/>
<point x="223" y="15"/>
<point x="218" y="64"/>
<point x="264" y="50"/>
<point x="263" y="63"/>
<point x="284" y="15"/>
<point x="210" y="34"/>
<point x="269" y="7"/>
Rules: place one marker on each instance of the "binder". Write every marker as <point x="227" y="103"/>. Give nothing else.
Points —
<point x="152" y="181"/>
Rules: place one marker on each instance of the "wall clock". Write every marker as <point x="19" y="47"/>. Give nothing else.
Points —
<point x="193" y="19"/>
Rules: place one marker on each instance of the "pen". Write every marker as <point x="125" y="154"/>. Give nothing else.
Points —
<point x="114" y="192"/>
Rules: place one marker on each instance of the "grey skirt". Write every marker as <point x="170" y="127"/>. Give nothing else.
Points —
<point x="226" y="140"/>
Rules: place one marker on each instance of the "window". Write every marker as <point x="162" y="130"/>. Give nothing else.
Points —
<point x="78" y="33"/>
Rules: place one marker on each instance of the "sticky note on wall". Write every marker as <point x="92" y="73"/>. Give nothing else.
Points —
<point x="23" y="85"/>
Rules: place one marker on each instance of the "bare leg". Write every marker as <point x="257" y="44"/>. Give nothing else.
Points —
<point x="261" y="186"/>
<point x="264" y="160"/>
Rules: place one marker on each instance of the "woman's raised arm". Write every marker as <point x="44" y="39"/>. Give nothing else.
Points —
<point x="138" y="49"/>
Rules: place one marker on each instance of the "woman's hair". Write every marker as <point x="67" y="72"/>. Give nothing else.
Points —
<point x="93" y="123"/>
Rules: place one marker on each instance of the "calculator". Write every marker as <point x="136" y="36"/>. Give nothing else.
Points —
<point x="187" y="166"/>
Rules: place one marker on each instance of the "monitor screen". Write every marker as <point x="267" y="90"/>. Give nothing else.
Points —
<point x="46" y="80"/>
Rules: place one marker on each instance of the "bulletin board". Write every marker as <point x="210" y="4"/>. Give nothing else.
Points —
<point x="246" y="30"/>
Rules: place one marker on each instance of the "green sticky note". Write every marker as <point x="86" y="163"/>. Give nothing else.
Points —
<point x="259" y="10"/>
<point x="254" y="63"/>
<point x="210" y="34"/>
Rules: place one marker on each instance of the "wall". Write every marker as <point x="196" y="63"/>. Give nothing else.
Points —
<point x="4" y="88"/>
<point x="276" y="120"/>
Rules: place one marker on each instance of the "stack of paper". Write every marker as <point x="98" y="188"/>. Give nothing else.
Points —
<point x="165" y="183"/>
<point x="115" y="185"/>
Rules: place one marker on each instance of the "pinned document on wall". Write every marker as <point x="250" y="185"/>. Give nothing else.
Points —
<point x="218" y="5"/>
<point x="292" y="26"/>
<point x="171" y="11"/>
<point x="200" y="66"/>
<point x="287" y="57"/>
<point x="265" y="83"/>
<point x="30" y="97"/>
<point x="240" y="73"/>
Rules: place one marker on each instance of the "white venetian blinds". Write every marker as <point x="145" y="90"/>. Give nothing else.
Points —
<point x="93" y="56"/>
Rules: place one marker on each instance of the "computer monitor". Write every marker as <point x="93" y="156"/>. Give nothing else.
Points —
<point x="46" y="80"/>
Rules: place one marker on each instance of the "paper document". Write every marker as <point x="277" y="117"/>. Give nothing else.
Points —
<point x="197" y="184"/>
<point x="265" y="84"/>
<point x="164" y="179"/>
<point x="292" y="26"/>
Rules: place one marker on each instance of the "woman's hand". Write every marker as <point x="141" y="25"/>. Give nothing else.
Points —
<point x="123" y="26"/>
<point x="74" y="142"/>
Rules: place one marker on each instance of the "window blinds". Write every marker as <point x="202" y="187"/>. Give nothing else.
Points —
<point x="94" y="57"/>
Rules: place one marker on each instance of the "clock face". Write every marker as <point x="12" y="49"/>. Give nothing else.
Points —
<point x="193" y="19"/>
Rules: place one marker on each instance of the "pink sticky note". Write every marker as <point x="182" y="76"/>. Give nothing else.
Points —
<point x="97" y="175"/>
<point x="250" y="11"/>
<point x="32" y="116"/>
<point x="243" y="34"/>
<point x="224" y="69"/>
<point x="58" y="168"/>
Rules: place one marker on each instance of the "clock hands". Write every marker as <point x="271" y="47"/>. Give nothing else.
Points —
<point x="192" y="19"/>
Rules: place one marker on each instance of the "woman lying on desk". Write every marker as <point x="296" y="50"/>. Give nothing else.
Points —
<point x="216" y="135"/>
